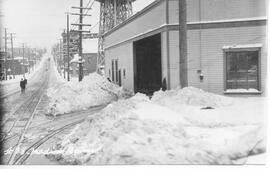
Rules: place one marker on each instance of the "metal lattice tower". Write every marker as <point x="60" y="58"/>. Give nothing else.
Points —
<point x="112" y="13"/>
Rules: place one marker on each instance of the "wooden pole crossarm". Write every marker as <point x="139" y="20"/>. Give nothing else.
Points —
<point x="78" y="24"/>
<point x="81" y="31"/>
<point x="74" y="7"/>
<point x="80" y="14"/>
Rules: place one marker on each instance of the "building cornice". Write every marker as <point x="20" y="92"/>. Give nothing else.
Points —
<point x="197" y="25"/>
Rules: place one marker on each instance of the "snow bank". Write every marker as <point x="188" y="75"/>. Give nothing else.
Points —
<point x="220" y="110"/>
<point x="93" y="90"/>
<point x="55" y="73"/>
<point x="191" y="96"/>
<point x="142" y="131"/>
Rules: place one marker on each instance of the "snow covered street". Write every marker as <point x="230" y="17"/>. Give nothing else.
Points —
<point x="98" y="122"/>
<point x="27" y="126"/>
<point x="131" y="83"/>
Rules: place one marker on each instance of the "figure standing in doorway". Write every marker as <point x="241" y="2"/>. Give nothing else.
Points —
<point x="164" y="84"/>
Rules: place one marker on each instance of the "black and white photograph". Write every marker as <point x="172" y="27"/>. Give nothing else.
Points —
<point x="133" y="82"/>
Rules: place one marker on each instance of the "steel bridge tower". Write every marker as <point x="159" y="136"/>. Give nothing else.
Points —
<point x="112" y="13"/>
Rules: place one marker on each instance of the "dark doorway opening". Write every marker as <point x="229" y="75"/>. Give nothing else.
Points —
<point x="120" y="78"/>
<point x="147" y="64"/>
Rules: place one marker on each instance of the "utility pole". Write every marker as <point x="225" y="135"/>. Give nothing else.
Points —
<point x="80" y="42"/>
<point x="28" y="60"/>
<point x="23" y="62"/>
<point x="183" y="44"/>
<point x="68" y="46"/>
<point x="62" y="55"/>
<point x="32" y="58"/>
<point x="12" y="55"/>
<point x="35" y="58"/>
<point x="80" y="35"/>
<point x="5" y="54"/>
<point x="58" y="59"/>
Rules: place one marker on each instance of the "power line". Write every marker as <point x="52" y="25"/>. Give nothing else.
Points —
<point x="86" y="12"/>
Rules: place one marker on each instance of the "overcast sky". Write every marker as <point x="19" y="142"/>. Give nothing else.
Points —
<point x="39" y="23"/>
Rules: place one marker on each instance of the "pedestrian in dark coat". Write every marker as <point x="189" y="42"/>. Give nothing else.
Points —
<point x="25" y="83"/>
<point x="22" y="85"/>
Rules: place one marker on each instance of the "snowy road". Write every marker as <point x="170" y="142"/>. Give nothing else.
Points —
<point x="94" y="122"/>
<point x="26" y="127"/>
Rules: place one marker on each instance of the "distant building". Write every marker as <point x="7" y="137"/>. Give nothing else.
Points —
<point x="73" y="43"/>
<point x="20" y="65"/>
<point x="73" y="47"/>
<point x="2" y="66"/>
<point x="90" y="64"/>
<point x="227" y="50"/>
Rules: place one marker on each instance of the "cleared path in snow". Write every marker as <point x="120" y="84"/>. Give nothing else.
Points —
<point x="28" y="129"/>
<point x="16" y="127"/>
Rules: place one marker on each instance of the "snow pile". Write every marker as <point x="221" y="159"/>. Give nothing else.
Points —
<point x="190" y="96"/>
<point x="55" y="76"/>
<point x="212" y="110"/>
<point x="93" y="90"/>
<point x="76" y="59"/>
<point x="140" y="131"/>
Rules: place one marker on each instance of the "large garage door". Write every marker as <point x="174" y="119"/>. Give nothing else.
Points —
<point x="147" y="64"/>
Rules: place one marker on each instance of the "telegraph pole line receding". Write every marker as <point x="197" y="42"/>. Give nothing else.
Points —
<point x="60" y="56"/>
<point x="68" y="78"/>
<point x="12" y="55"/>
<point x="23" y="63"/>
<point x="28" y="60"/>
<point x="80" y="41"/>
<point x="5" y="54"/>
<point x="80" y="31"/>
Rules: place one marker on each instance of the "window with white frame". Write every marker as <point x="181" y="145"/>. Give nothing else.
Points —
<point x="242" y="69"/>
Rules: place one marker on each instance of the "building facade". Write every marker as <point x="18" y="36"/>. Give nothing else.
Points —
<point x="2" y="65"/>
<point x="227" y="51"/>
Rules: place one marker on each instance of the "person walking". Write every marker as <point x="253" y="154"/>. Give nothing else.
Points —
<point x="25" y="83"/>
<point x="22" y="85"/>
